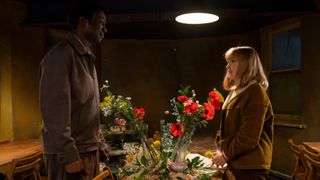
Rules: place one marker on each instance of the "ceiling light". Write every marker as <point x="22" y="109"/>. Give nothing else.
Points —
<point x="197" y="18"/>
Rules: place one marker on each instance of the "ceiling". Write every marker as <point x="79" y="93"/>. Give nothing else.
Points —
<point x="154" y="19"/>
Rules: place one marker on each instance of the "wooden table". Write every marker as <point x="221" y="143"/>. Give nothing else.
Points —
<point x="17" y="149"/>
<point x="314" y="146"/>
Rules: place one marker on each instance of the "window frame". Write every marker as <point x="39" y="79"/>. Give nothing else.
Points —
<point x="281" y="119"/>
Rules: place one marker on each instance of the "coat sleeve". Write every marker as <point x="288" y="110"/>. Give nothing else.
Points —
<point x="252" y="118"/>
<point x="55" y="104"/>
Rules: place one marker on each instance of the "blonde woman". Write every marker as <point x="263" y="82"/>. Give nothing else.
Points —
<point x="246" y="131"/>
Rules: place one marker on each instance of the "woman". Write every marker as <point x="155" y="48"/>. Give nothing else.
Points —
<point x="246" y="131"/>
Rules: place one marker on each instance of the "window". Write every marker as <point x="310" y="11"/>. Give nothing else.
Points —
<point x="284" y="72"/>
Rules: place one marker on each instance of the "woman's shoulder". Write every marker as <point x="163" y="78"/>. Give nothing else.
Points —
<point x="256" y="87"/>
<point x="258" y="93"/>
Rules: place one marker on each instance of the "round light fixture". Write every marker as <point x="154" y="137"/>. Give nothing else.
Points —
<point x="197" y="18"/>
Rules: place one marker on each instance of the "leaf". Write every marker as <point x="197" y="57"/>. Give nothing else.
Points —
<point x="204" y="123"/>
<point x="144" y="160"/>
<point x="195" y="163"/>
<point x="205" y="177"/>
<point x="195" y="159"/>
<point x="126" y="172"/>
<point x="184" y="90"/>
<point x="138" y="162"/>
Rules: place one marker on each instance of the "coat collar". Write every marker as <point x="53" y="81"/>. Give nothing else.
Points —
<point x="78" y="45"/>
<point x="234" y="93"/>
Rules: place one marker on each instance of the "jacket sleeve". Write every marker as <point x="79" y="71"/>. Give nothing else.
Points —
<point x="252" y="118"/>
<point x="55" y="104"/>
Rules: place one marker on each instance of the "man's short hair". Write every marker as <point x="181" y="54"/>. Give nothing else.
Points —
<point x="84" y="9"/>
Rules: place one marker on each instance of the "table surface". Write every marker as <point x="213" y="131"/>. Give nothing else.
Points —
<point x="315" y="146"/>
<point x="18" y="149"/>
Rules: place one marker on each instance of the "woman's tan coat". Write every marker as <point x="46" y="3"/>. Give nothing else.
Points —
<point x="246" y="135"/>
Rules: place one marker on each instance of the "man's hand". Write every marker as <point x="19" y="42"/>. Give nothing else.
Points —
<point x="102" y="145"/>
<point x="74" y="167"/>
<point x="219" y="160"/>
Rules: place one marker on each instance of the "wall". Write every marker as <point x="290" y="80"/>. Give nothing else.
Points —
<point x="283" y="160"/>
<point x="5" y="77"/>
<point x="151" y="72"/>
<point x="20" y="54"/>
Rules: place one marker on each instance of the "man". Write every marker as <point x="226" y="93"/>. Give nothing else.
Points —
<point x="69" y="97"/>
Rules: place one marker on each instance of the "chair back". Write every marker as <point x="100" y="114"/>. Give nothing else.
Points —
<point x="313" y="164"/>
<point x="22" y="168"/>
<point x="105" y="174"/>
<point x="299" y="170"/>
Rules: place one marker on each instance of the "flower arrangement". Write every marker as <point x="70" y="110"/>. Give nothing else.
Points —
<point x="120" y="108"/>
<point x="123" y="112"/>
<point x="164" y="156"/>
<point x="189" y="115"/>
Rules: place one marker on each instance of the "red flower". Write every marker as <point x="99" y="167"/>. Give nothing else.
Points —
<point x="215" y="99"/>
<point x="176" y="129"/>
<point x="191" y="108"/>
<point x="208" y="111"/>
<point x="182" y="98"/>
<point x="139" y="113"/>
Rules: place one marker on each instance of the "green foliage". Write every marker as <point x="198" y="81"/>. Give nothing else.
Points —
<point x="195" y="163"/>
<point x="144" y="160"/>
<point x="126" y="172"/>
<point x="184" y="90"/>
<point x="163" y="170"/>
<point x="205" y="177"/>
<point x="203" y="123"/>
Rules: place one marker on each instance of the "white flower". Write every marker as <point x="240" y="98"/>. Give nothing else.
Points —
<point x="128" y="98"/>
<point x="167" y="112"/>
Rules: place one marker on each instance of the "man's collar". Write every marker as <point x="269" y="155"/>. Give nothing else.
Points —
<point x="80" y="47"/>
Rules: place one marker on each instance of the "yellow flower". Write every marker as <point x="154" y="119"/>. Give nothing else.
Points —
<point x="103" y="104"/>
<point x="129" y="158"/>
<point x="106" y="102"/>
<point x="209" y="154"/>
<point x="158" y="154"/>
<point x="220" y="95"/>
<point x="107" y="99"/>
<point x="122" y="104"/>
<point x="156" y="144"/>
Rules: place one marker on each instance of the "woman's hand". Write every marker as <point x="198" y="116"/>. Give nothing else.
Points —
<point x="219" y="159"/>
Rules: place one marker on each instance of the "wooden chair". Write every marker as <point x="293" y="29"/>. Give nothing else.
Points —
<point x="313" y="164"/>
<point x="105" y="174"/>
<point x="299" y="171"/>
<point x="26" y="167"/>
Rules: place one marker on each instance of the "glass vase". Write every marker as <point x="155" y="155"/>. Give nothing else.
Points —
<point x="180" y="150"/>
<point x="148" y="150"/>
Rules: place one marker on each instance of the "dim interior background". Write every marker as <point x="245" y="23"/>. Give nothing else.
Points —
<point x="147" y="55"/>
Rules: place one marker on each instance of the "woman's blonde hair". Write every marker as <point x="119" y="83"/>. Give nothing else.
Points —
<point x="249" y="67"/>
